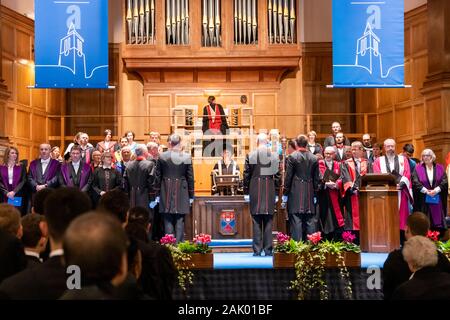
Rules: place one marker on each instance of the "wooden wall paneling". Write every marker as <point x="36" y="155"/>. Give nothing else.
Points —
<point x="264" y="104"/>
<point x="23" y="124"/>
<point x="24" y="150"/>
<point x="39" y="99"/>
<point x="39" y="128"/>
<point x="434" y="114"/>
<point x="405" y="123"/>
<point x="23" y="44"/>
<point x="7" y="72"/>
<point x="385" y="127"/>
<point x="23" y="80"/>
<point x="8" y="39"/>
<point x="158" y="106"/>
<point x="420" y="121"/>
<point x="419" y="70"/>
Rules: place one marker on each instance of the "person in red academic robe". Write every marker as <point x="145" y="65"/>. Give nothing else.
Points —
<point x="214" y="123"/>
<point x="398" y="165"/>
<point x="331" y="216"/>
<point x="351" y="172"/>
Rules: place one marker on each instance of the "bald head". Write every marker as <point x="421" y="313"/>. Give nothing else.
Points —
<point x="44" y="151"/>
<point x="389" y="147"/>
<point x="104" y="238"/>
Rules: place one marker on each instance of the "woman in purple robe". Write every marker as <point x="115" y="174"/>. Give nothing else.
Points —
<point x="430" y="185"/>
<point x="13" y="176"/>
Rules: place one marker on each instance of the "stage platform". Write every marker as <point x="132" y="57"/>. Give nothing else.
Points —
<point x="246" y="260"/>
<point x="241" y="276"/>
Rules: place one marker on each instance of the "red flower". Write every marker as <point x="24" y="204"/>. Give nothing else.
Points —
<point x="348" y="237"/>
<point x="202" y="238"/>
<point x="168" y="239"/>
<point x="433" y="235"/>
<point x="282" y="238"/>
<point x="315" y="237"/>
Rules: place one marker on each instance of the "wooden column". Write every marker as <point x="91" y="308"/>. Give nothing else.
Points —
<point x="4" y="93"/>
<point x="436" y="88"/>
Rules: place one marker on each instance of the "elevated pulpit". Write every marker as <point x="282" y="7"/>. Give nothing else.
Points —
<point x="379" y="217"/>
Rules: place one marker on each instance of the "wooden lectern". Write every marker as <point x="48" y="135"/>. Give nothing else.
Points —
<point x="378" y="214"/>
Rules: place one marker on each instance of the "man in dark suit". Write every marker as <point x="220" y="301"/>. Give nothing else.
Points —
<point x="300" y="187"/>
<point x="158" y="272"/>
<point x="12" y="256"/>
<point x="427" y="282"/>
<point x="395" y="269"/>
<point x="174" y="184"/>
<point x="261" y="182"/>
<point x="105" y="267"/>
<point x="139" y="176"/>
<point x="34" y="239"/>
<point x="48" y="280"/>
<point x="44" y="171"/>
<point x="76" y="173"/>
<point x="330" y="140"/>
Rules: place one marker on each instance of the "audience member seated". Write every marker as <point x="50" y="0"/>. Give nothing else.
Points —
<point x="37" y="207"/>
<point x="12" y="256"/>
<point x="158" y="271"/>
<point x="395" y="269"/>
<point x="106" y="265"/>
<point x="34" y="239"/>
<point x="427" y="282"/>
<point x="48" y="280"/>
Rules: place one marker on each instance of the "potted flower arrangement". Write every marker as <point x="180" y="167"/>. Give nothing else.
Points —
<point x="442" y="246"/>
<point x="310" y="259"/>
<point x="189" y="255"/>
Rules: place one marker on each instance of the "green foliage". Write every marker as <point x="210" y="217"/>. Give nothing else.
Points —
<point x="310" y="265"/>
<point x="444" y="247"/>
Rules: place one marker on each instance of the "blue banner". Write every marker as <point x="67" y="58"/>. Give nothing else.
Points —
<point x="71" y="43"/>
<point x="368" y="43"/>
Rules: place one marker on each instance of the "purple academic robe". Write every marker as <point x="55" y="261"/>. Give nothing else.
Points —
<point x="19" y="180"/>
<point x="84" y="178"/>
<point x="436" y="212"/>
<point x="50" y="176"/>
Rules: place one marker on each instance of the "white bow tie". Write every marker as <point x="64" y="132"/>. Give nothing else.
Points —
<point x="45" y="161"/>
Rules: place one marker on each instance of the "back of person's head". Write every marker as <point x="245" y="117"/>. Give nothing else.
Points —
<point x="10" y="220"/>
<point x="137" y="231"/>
<point x="140" y="215"/>
<point x="420" y="252"/>
<point x="140" y="150"/>
<point x="39" y="200"/>
<point x="61" y="207"/>
<point x="418" y="224"/>
<point x="302" y="141"/>
<point x="408" y="148"/>
<point x="33" y="231"/>
<point x="115" y="202"/>
<point x="174" y="140"/>
<point x="97" y="244"/>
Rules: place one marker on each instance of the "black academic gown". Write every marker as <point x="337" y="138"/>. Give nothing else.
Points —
<point x="174" y="182"/>
<point x="261" y="180"/>
<point x="139" y="177"/>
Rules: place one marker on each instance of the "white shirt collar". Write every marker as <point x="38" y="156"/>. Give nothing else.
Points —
<point x="107" y="167"/>
<point x="45" y="161"/>
<point x="32" y="254"/>
<point x="56" y="253"/>
<point x="76" y="163"/>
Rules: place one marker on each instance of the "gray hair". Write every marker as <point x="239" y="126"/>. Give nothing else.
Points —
<point x="330" y="149"/>
<point x="428" y="152"/>
<point x="262" y="138"/>
<point x="389" y="140"/>
<point x="358" y="144"/>
<point x="175" y="140"/>
<point x="152" y="145"/>
<point x="420" y="252"/>
<point x="140" y="150"/>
